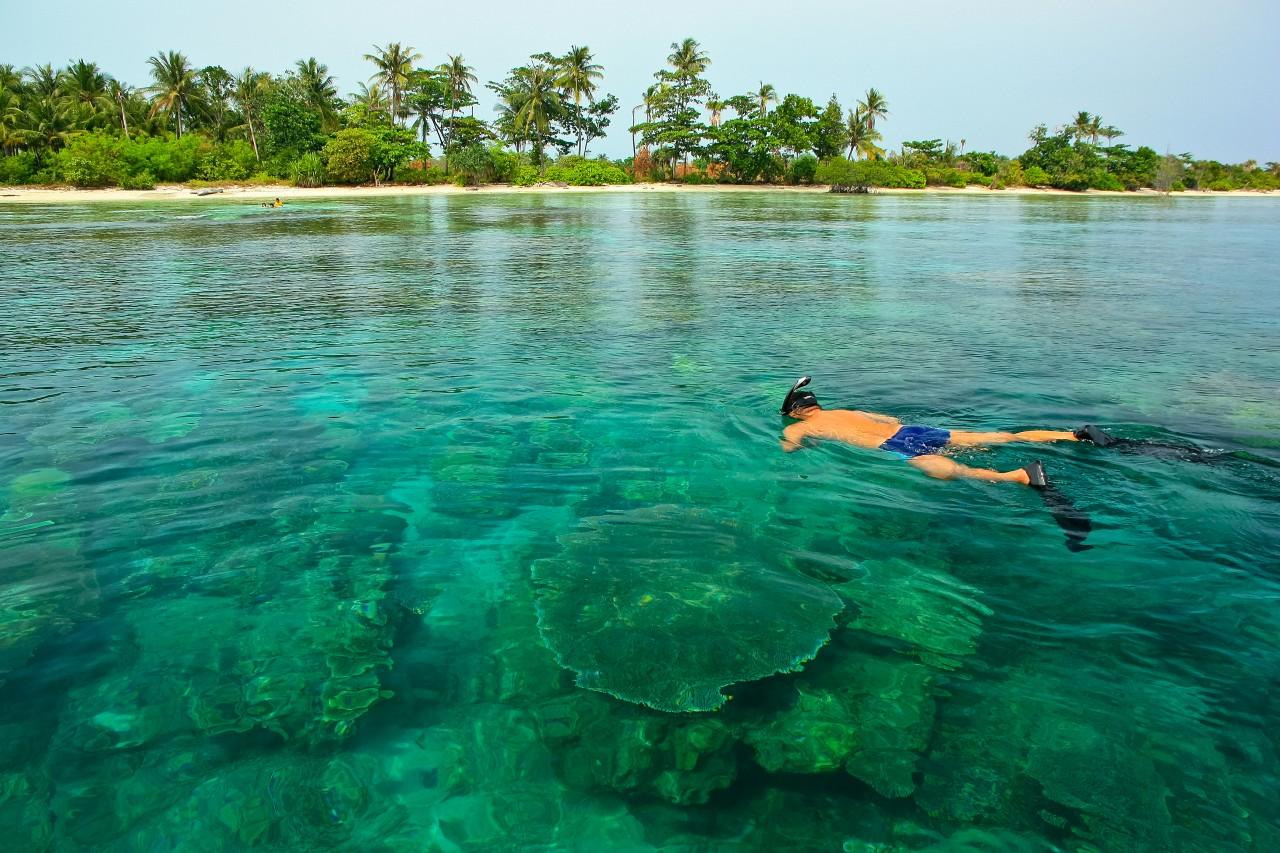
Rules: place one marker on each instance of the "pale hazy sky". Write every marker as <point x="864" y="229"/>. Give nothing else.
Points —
<point x="1177" y="75"/>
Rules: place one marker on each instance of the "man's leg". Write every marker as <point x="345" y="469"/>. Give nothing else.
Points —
<point x="948" y="469"/>
<point x="969" y="439"/>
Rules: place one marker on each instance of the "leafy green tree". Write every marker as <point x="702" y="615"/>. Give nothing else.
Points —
<point x="290" y="127"/>
<point x="830" y="136"/>
<point x="792" y="125"/>
<point x="348" y="156"/>
<point x="394" y="64"/>
<point x="675" y="103"/>
<point x="426" y="98"/>
<point x="216" y="85"/>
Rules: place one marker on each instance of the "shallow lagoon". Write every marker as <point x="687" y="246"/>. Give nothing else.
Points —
<point x="301" y="510"/>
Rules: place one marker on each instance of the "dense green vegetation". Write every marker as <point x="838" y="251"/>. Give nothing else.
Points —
<point x="412" y="123"/>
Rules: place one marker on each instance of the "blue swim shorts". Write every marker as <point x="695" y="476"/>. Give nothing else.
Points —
<point x="912" y="441"/>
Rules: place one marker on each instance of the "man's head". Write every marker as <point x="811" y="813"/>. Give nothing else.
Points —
<point x="800" y="404"/>
<point x="803" y="405"/>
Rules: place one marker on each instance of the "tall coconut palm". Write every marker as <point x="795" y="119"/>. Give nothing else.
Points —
<point x="765" y="96"/>
<point x="86" y="86"/>
<point x="688" y="58"/>
<point x="247" y="92"/>
<point x="873" y="106"/>
<point x="42" y="81"/>
<point x="119" y="94"/>
<point x="576" y="74"/>
<point x="459" y="78"/>
<point x="1110" y="133"/>
<point x="394" y="64"/>
<point x="318" y="90"/>
<point x="175" y="90"/>
<point x="537" y="100"/>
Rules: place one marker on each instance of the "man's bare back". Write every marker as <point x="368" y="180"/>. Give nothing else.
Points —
<point x="862" y="429"/>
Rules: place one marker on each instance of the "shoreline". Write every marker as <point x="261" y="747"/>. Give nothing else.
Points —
<point x="174" y="192"/>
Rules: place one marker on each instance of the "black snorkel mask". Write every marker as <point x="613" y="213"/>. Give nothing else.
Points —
<point x="797" y="399"/>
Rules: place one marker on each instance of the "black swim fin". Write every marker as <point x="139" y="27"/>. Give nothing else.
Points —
<point x="1097" y="435"/>
<point x="1075" y="522"/>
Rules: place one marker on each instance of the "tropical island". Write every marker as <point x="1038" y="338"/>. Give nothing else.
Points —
<point x="414" y="124"/>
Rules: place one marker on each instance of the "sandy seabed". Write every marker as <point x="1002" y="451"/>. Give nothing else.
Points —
<point x="61" y="195"/>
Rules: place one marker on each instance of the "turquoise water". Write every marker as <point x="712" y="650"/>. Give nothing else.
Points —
<point x="311" y="519"/>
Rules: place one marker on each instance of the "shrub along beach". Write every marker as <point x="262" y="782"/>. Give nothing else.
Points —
<point x="414" y="124"/>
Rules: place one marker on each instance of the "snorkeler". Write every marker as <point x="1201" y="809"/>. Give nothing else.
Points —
<point x="918" y="445"/>
<point x="276" y="203"/>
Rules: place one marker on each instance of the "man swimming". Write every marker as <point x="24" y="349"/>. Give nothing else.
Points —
<point x="918" y="445"/>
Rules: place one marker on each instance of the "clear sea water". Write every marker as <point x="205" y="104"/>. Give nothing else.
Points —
<point x="344" y="526"/>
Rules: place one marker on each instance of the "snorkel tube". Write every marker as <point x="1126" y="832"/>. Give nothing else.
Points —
<point x="790" y="399"/>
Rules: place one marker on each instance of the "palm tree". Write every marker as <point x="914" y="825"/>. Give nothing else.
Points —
<point x="394" y="64"/>
<point x="577" y="76"/>
<point x="688" y="58"/>
<point x="86" y="85"/>
<point x="862" y="137"/>
<point x="536" y="103"/>
<point x="716" y="105"/>
<point x="1083" y="125"/>
<point x="767" y="95"/>
<point x="10" y="78"/>
<point x="10" y="120"/>
<point x="372" y="98"/>
<point x="247" y="92"/>
<point x="318" y="89"/>
<point x="175" y="90"/>
<point x="43" y="81"/>
<point x="119" y="93"/>
<point x="47" y="123"/>
<point x="873" y="106"/>
<point x="459" y="78"/>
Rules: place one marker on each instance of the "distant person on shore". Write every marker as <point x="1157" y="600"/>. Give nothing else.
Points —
<point x="920" y="446"/>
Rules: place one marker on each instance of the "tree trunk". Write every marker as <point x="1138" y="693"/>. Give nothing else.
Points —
<point x="124" y="119"/>
<point x="253" y="137"/>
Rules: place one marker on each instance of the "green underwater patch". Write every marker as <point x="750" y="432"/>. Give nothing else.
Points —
<point x="666" y="606"/>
